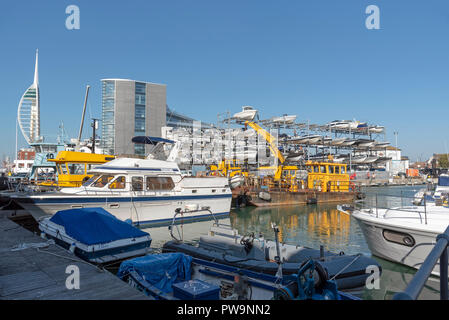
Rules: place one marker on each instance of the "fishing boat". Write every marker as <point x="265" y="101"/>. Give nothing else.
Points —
<point x="141" y="191"/>
<point x="225" y="246"/>
<point x="95" y="235"/>
<point x="405" y="234"/>
<point x="248" y="113"/>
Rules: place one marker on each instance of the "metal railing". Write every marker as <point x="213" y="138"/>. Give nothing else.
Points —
<point x="418" y="209"/>
<point x="439" y="252"/>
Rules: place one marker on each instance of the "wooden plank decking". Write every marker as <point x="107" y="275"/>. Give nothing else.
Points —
<point x="41" y="273"/>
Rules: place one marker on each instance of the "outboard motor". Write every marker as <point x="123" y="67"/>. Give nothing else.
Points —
<point x="311" y="283"/>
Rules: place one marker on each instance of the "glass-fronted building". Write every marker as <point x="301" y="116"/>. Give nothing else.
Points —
<point x="135" y="108"/>
<point x="131" y="108"/>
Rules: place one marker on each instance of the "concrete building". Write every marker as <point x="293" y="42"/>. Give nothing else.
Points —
<point x="131" y="108"/>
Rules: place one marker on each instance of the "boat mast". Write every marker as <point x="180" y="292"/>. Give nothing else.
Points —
<point x="82" y="118"/>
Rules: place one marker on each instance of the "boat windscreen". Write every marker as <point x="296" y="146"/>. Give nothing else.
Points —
<point x="91" y="180"/>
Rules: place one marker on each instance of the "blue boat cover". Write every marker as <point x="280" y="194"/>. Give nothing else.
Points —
<point x="94" y="226"/>
<point x="160" y="270"/>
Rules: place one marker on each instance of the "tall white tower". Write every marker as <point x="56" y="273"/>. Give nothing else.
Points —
<point x="28" y="113"/>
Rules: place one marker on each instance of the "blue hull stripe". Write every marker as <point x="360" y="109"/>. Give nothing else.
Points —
<point x="118" y="199"/>
<point x="184" y="219"/>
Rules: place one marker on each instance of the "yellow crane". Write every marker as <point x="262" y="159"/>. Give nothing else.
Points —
<point x="273" y="148"/>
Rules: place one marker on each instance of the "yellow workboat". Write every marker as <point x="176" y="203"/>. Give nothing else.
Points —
<point x="328" y="176"/>
<point x="73" y="167"/>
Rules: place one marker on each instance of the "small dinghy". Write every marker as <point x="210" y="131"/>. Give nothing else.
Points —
<point x="173" y="276"/>
<point x="225" y="246"/>
<point x="95" y="235"/>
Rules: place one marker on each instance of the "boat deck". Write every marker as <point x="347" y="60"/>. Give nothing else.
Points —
<point x="40" y="273"/>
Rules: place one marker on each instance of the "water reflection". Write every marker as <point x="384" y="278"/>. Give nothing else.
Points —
<point x="395" y="278"/>
<point x="309" y="226"/>
<point x="316" y="225"/>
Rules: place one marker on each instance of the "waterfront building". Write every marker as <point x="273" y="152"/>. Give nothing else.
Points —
<point x="131" y="108"/>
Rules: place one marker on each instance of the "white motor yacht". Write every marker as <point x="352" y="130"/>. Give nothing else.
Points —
<point x="404" y="235"/>
<point x="141" y="191"/>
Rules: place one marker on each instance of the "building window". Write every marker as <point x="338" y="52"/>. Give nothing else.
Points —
<point x="108" y="118"/>
<point x="139" y="116"/>
<point x="139" y="149"/>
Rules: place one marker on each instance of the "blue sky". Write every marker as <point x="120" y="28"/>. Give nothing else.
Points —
<point x="315" y="59"/>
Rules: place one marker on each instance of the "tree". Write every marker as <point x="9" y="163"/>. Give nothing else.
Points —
<point x="443" y="161"/>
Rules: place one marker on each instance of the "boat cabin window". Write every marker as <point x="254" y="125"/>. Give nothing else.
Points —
<point x="159" y="183"/>
<point x="322" y="169"/>
<point x="331" y="169"/>
<point x="343" y="170"/>
<point x="137" y="183"/>
<point x="76" y="168"/>
<point x="62" y="168"/>
<point x="92" y="179"/>
<point x="337" y="169"/>
<point x="118" y="183"/>
<point x="102" y="181"/>
<point x="316" y="169"/>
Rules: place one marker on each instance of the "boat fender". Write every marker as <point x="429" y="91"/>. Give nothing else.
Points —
<point x="72" y="248"/>
<point x="43" y="235"/>
<point x="341" y="253"/>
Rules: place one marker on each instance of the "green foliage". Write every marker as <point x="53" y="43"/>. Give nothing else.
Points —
<point x="443" y="161"/>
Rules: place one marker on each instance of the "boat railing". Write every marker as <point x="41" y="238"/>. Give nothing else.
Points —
<point x="438" y="253"/>
<point x="420" y="210"/>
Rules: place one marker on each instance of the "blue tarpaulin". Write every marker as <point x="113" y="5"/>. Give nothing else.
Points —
<point x="160" y="270"/>
<point x="94" y="226"/>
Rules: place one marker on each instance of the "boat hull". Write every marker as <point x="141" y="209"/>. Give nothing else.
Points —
<point x="412" y="256"/>
<point x="148" y="211"/>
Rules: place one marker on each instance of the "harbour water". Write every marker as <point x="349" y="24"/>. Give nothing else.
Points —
<point x="316" y="225"/>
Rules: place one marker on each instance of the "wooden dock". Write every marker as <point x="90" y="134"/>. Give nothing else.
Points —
<point x="32" y="273"/>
